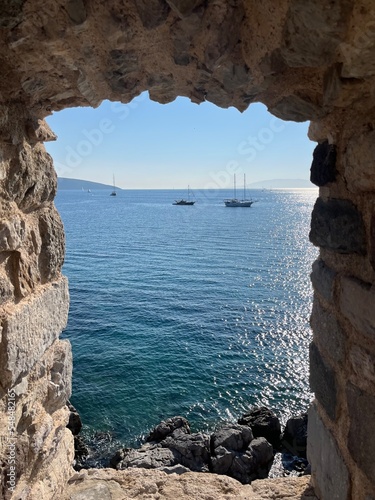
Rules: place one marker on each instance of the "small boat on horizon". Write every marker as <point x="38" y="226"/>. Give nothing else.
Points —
<point x="114" y="188"/>
<point x="235" y="202"/>
<point x="185" y="202"/>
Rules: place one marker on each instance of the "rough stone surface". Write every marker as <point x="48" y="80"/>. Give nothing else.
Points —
<point x="323" y="167"/>
<point x="303" y="60"/>
<point x="157" y="485"/>
<point x="359" y="171"/>
<point x="361" y="438"/>
<point x="30" y="329"/>
<point x="329" y="471"/>
<point x="202" y="44"/>
<point x="328" y="332"/>
<point x="357" y="304"/>
<point x="40" y="419"/>
<point x="323" y="381"/>
<point x="338" y="225"/>
<point x="322" y="279"/>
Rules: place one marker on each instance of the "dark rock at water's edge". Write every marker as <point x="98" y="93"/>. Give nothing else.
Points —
<point x="263" y="423"/>
<point x="94" y="450"/>
<point x="75" y="422"/>
<point x="231" y="450"/>
<point x="168" y="427"/>
<point x="294" y="438"/>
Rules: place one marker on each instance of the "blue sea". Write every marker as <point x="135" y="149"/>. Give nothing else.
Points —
<point x="200" y="311"/>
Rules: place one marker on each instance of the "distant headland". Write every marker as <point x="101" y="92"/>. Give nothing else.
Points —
<point x="64" y="184"/>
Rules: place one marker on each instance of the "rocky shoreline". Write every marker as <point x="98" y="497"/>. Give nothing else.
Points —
<point x="253" y="448"/>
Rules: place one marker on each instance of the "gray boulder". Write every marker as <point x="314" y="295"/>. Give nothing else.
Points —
<point x="234" y="437"/>
<point x="187" y="450"/>
<point x="167" y="427"/>
<point x="236" y="454"/>
<point x="190" y="450"/>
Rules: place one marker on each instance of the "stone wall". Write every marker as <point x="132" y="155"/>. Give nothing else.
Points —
<point x="306" y="60"/>
<point x="342" y="355"/>
<point x="36" y="449"/>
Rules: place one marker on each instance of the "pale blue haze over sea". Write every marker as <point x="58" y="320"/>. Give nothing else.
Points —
<point x="197" y="311"/>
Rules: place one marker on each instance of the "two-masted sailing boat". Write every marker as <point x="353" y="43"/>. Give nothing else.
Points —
<point x="235" y="202"/>
<point x="113" y="193"/>
<point x="183" y="201"/>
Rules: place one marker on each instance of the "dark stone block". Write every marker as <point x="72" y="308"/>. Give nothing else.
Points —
<point x="361" y="438"/>
<point x="75" y="422"/>
<point x="323" y="167"/>
<point x="76" y="10"/>
<point x="323" y="381"/>
<point x="338" y="225"/>
<point x="322" y="279"/>
<point x="11" y="13"/>
<point x="294" y="437"/>
<point x="152" y="12"/>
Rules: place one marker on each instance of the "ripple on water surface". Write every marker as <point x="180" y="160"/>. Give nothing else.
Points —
<point x="199" y="311"/>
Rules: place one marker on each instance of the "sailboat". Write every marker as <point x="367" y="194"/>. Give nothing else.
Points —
<point x="185" y="202"/>
<point x="114" y="188"/>
<point x="235" y="202"/>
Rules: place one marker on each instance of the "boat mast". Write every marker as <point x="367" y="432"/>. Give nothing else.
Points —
<point x="234" y="186"/>
<point x="244" y="184"/>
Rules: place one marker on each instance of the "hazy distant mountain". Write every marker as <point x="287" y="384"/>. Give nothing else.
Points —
<point x="64" y="183"/>
<point x="281" y="183"/>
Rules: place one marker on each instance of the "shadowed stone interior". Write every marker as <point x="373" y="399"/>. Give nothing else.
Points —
<point x="306" y="60"/>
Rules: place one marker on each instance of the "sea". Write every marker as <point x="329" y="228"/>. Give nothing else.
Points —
<point x="200" y="311"/>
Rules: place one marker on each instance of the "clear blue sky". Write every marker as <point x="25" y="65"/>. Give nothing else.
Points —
<point x="149" y="145"/>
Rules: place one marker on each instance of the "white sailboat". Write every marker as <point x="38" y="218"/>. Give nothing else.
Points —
<point x="114" y="188"/>
<point x="235" y="202"/>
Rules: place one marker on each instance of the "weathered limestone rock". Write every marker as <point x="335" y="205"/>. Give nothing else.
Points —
<point x="357" y="304"/>
<point x="107" y="484"/>
<point x="359" y="171"/>
<point x="40" y="419"/>
<point x="30" y="329"/>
